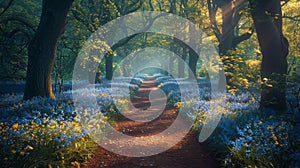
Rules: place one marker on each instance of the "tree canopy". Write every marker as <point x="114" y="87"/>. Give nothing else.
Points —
<point x="233" y="26"/>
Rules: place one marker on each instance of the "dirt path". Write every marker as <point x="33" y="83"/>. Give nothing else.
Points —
<point x="188" y="153"/>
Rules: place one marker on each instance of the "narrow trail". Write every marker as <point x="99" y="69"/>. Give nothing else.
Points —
<point x="188" y="153"/>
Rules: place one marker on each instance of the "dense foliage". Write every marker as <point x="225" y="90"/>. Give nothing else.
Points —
<point x="43" y="132"/>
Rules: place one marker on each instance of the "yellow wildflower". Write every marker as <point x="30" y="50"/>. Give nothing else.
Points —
<point x="269" y="127"/>
<point x="76" y="164"/>
<point x="15" y="126"/>
<point x="22" y="153"/>
<point x="29" y="147"/>
<point x="274" y="137"/>
<point x="178" y="105"/>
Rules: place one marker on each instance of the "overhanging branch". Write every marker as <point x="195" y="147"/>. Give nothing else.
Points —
<point x="5" y="9"/>
<point x="238" y="39"/>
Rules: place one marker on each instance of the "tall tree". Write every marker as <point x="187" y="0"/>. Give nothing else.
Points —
<point x="42" y="48"/>
<point x="124" y="7"/>
<point x="228" y="40"/>
<point x="187" y="10"/>
<point x="193" y="56"/>
<point x="267" y="18"/>
<point x="17" y="28"/>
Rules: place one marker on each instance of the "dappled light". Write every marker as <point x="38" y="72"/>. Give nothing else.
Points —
<point x="133" y="83"/>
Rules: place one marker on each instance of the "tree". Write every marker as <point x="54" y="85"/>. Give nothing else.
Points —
<point x="92" y="15"/>
<point x="187" y="10"/>
<point x="124" y="8"/>
<point x="231" y="12"/>
<point x="6" y="7"/>
<point x="267" y="18"/>
<point x="42" y="48"/>
<point x="18" y="22"/>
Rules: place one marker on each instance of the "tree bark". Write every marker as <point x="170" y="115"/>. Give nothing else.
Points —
<point x="42" y="48"/>
<point x="109" y="67"/>
<point x="193" y="59"/>
<point x="193" y="56"/>
<point x="181" y="66"/>
<point x="226" y="37"/>
<point x="274" y="47"/>
<point x="226" y="40"/>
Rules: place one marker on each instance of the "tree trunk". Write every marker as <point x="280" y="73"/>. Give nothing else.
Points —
<point x="274" y="47"/>
<point x="181" y="66"/>
<point x="226" y="37"/>
<point x="174" y="49"/>
<point x="42" y="48"/>
<point x="226" y="41"/>
<point x="109" y="67"/>
<point x="193" y="56"/>
<point x="227" y="29"/>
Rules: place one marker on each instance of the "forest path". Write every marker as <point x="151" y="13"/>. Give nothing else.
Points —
<point x="188" y="153"/>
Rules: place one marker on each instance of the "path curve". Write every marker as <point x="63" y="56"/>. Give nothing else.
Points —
<point x="188" y="153"/>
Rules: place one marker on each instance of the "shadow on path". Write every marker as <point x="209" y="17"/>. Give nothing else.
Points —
<point x="188" y="153"/>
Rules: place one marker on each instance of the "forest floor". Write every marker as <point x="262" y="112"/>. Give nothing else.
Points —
<point x="188" y="153"/>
